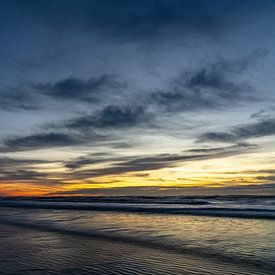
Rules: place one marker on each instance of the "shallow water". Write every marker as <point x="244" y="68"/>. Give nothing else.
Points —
<point x="245" y="237"/>
<point x="234" y="241"/>
<point x="28" y="251"/>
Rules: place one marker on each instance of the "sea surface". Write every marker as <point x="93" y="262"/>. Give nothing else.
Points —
<point x="221" y="235"/>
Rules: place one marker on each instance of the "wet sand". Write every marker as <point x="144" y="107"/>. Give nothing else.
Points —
<point x="30" y="251"/>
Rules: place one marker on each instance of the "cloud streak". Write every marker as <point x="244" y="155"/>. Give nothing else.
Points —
<point x="80" y="90"/>
<point x="81" y="130"/>
<point x="139" y="164"/>
<point x="253" y="130"/>
<point x="43" y="141"/>
<point x="111" y="117"/>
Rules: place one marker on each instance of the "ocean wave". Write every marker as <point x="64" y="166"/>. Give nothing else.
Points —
<point x="216" y="211"/>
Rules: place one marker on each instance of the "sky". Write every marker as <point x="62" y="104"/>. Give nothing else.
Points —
<point x="148" y="97"/>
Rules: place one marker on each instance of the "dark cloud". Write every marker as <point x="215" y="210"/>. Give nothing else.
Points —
<point x="222" y="149"/>
<point x="216" y="85"/>
<point x="80" y="90"/>
<point x="22" y="175"/>
<point x="17" y="100"/>
<point x="19" y="162"/>
<point x="243" y="132"/>
<point x="217" y="136"/>
<point x="37" y="96"/>
<point x="264" y="113"/>
<point x="111" y="117"/>
<point x="82" y="130"/>
<point x="19" y="96"/>
<point x="40" y="141"/>
<point x="15" y="170"/>
<point x="30" y="177"/>
<point x="94" y="159"/>
<point x="83" y="161"/>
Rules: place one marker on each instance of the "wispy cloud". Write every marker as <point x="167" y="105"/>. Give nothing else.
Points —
<point x="46" y="140"/>
<point x="23" y="175"/>
<point x="29" y="96"/>
<point x="16" y="99"/>
<point x="146" y="163"/>
<point x="111" y="117"/>
<point x="81" y="130"/>
<point x="217" y="85"/>
<point x="19" y="162"/>
<point x="242" y="132"/>
<point x="77" y="89"/>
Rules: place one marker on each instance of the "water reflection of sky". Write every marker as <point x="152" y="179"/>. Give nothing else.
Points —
<point x="249" y="240"/>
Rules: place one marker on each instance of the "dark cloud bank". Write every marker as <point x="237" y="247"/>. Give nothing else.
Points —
<point x="23" y="170"/>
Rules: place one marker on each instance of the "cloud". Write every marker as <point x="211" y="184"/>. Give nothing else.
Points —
<point x="111" y="117"/>
<point x="139" y="164"/>
<point x="23" y="175"/>
<point x="82" y="130"/>
<point x="264" y="113"/>
<point x="234" y="147"/>
<point x="216" y="85"/>
<point x="19" y="162"/>
<point x="39" y="141"/>
<point x="95" y="159"/>
<point x="16" y="99"/>
<point x="30" y="177"/>
<point x="18" y="170"/>
<point x="21" y="170"/>
<point x="36" y="96"/>
<point x="83" y="161"/>
<point x="80" y="90"/>
<point x="243" y="132"/>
